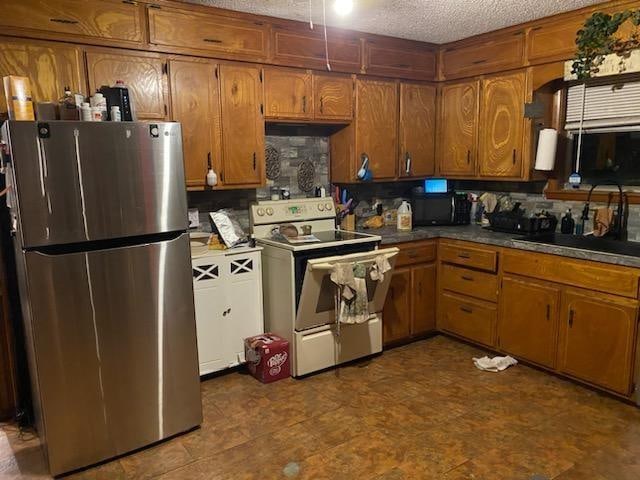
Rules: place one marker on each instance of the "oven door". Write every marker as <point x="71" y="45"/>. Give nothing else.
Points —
<point x="317" y="300"/>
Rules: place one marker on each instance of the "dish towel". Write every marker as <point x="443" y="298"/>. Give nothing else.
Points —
<point x="602" y="221"/>
<point x="495" y="364"/>
<point x="352" y="303"/>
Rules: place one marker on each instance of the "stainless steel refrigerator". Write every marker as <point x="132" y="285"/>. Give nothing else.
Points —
<point x="99" y="217"/>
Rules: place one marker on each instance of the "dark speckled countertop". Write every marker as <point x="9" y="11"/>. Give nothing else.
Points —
<point x="474" y="233"/>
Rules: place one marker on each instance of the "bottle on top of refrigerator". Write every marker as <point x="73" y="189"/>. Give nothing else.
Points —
<point x="404" y="217"/>
<point x="115" y="114"/>
<point x="67" y="106"/>
<point x="85" y="112"/>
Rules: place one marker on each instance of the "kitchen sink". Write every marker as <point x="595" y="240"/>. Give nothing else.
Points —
<point x="595" y="244"/>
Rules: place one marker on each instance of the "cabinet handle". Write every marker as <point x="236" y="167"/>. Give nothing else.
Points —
<point x="63" y="20"/>
<point x="412" y="254"/>
<point x="209" y="160"/>
<point x="407" y="163"/>
<point x="129" y="2"/>
<point x="254" y="161"/>
<point x="466" y="309"/>
<point x="391" y="293"/>
<point x="478" y="62"/>
<point x="304" y="104"/>
<point x="571" y="315"/>
<point x="468" y="279"/>
<point x="222" y="176"/>
<point x="468" y="157"/>
<point x="514" y="156"/>
<point x="548" y="312"/>
<point x="420" y="288"/>
<point x="321" y="104"/>
<point x="466" y="256"/>
<point x="211" y="40"/>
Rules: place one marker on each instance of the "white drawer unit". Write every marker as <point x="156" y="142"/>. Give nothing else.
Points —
<point x="227" y="288"/>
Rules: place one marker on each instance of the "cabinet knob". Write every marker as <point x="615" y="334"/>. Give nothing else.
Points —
<point x="514" y="156"/>
<point x="466" y="309"/>
<point x="304" y="104"/>
<point x="321" y="104"/>
<point x="407" y="163"/>
<point x="254" y="161"/>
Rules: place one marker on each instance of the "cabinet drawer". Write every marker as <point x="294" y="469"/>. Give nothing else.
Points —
<point x="190" y="30"/>
<point x="470" y="282"/>
<point x="578" y="273"/>
<point x="105" y="19"/>
<point x="474" y="257"/>
<point x="494" y="55"/>
<point x="468" y="318"/>
<point x="418" y="252"/>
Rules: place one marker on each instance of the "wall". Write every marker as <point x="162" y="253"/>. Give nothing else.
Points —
<point x="293" y="150"/>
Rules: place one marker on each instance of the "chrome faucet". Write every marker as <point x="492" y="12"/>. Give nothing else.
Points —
<point x="621" y="223"/>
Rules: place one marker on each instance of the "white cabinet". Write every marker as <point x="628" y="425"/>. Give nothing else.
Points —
<point x="227" y="289"/>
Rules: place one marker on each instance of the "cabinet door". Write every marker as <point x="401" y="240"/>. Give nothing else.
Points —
<point x="396" y="315"/>
<point x="195" y="103"/>
<point x="244" y="286"/>
<point x="423" y="286"/>
<point x="502" y="125"/>
<point x="242" y="125"/>
<point x="376" y="126"/>
<point x="49" y="66"/>
<point x="553" y="40"/>
<point x="394" y="57"/>
<point x="417" y="130"/>
<point x="210" y="305"/>
<point x="458" y="129"/>
<point x="106" y="19"/>
<point x="207" y="33"/>
<point x="288" y="93"/>
<point x="333" y="97"/>
<point x="597" y="336"/>
<point x="142" y="73"/>
<point x="528" y="322"/>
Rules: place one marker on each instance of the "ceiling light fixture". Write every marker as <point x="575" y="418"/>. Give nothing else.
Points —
<point x="343" y="7"/>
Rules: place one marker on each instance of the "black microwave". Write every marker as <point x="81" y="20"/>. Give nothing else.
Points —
<point x="448" y="208"/>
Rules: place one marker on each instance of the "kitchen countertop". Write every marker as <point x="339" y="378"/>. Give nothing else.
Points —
<point x="475" y="233"/>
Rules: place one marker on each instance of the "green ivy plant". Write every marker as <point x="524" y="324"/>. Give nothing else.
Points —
<point x="597" y="39"/>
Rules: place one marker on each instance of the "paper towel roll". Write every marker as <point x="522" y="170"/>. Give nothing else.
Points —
<point x="546" y="155"/>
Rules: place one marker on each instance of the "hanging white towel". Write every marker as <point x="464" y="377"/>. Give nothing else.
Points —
<point x="495" y="364"/>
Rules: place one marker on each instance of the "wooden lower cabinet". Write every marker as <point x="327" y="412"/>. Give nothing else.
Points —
<point x="396" y="316"/>
<point x="597" y="339"/>
<point x="469" y="318"/>
<point x="528" y="320"/>
<point x="423" y="285"/>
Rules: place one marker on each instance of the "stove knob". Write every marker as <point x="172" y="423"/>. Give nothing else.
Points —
<point x="260" y="212"/>
<point x="269" y="211"/>
<point x="320" y="207"/>
<point x="328" y="206"/>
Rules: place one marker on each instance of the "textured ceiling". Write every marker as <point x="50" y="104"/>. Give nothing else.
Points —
<point x="437" y="21"/>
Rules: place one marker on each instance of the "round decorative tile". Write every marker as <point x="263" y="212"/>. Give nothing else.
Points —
<point x="306" y="176"/>
<point x="272" y="157"/>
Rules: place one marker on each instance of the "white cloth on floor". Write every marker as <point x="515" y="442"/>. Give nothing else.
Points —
<point x="495" y="364"/>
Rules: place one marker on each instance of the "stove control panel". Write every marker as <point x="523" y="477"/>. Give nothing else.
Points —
<point x="296" y="210"/>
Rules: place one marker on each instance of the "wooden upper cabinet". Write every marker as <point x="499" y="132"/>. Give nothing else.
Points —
<point x="399" y="58"/>
<point x="305" y="48"/>
<point x="332" y="97"/>
<point x="288" y="93"/>
<point x="597" y="338"/>
<point x="108" y="20"/>
<point x="192" y="31"/>
<point x="458" y="129"/>
<point x="528" y="320"/>
<point x="417" y="130"/>
<point x="49" y="66"/>
<point x="376" y="126"/>
<point x="196" y="105"/>
<point x="502" y="125"/>
<point x="553" y="41"/>
<point x="142" y="73"/>
<point x="423" y="285"/>
<point x="495" y="54"/>
<point x="396" y="315"/>
<point x="242" y="125"/>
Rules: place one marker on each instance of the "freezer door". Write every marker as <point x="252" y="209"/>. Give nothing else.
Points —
<point x="84" y="181"/>
<point x="317" y="301"/>
<point x="115" y="349"/>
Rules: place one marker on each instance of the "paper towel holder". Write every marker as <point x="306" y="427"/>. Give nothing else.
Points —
<point x="546" y="152"/>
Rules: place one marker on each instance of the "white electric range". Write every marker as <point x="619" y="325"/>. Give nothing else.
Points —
<point x="299" y="296"/>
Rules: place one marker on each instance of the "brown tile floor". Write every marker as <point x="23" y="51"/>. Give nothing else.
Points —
<point x="417" y="412"/>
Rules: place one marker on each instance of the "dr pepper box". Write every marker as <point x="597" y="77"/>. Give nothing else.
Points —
<point x="267" y="357"/>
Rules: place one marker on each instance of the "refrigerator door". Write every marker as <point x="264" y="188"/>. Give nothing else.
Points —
<point x="85" y="181"/>
<point x="115" y="349"/>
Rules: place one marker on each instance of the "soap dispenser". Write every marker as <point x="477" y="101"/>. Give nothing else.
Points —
<point x="212" y="178"/>
<point x="568" y="223"/>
